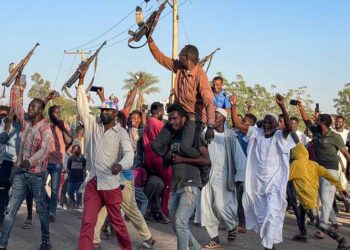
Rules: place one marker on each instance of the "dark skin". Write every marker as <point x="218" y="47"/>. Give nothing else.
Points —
<point x="219" y="122"/>
<point x="116" y="167"/>
<point x="55" y="119"/>
<point x="135" y="120"/>
<point x="323" y="127"/>
<point x="268" y="124"/>
<point x="177" y="122"/>
<point x="35" y="113"/>
<point x="339" y="124"/>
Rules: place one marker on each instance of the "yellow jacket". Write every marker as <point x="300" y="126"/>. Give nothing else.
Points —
<point x="305" y="175"/>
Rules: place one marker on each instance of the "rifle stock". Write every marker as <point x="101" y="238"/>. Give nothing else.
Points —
<point x="82" y="66"/>
<point x="21" y="65"/>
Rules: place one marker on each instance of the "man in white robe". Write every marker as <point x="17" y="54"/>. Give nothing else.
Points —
<point x="218" y="196"/>
<point x="264" y="200"/>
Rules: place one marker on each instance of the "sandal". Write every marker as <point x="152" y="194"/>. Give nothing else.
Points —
<point x="212" y="245"/>
<point x="300" y="238"/>
<point x="241" y="229"/>
<point x="146" y="245"/>
<point x="319" y="235"/>
<point x="231" y="236"/>
<point x="27" y="225"/>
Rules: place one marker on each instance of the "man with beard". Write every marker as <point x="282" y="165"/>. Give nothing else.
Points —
<point x="219" y="195"/>
<point x="193" y="92"/>
<point x="264" y="200"/>
<point x="327" y="145"/>
<point x="186" y="178"/>
<point x="108" y="152"/>
<point x="35" y="145"/>
<point x="129" y="204"/>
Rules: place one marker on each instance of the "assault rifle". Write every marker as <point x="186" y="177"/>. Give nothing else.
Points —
<point x="84" y="65"/>
<point x="144" y="27"/>
<point x="14" y="72"/>
<point x="207" y="58"/>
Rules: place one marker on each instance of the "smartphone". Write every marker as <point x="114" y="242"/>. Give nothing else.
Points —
<point x="317" y="108"/>
<point x="95" y="88"/>
<point x="293" y="102"/>
<point x="144" y="107"/>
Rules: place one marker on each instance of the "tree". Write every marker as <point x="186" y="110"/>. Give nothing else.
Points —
<point x="41" y="88"/>
<point x="147" y="88"/>
<point x="260" y="101"/>
<point x="342" y="103"/>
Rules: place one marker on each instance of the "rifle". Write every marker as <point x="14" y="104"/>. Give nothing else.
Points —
<point x="144" y="27"/>
<point x="18" y="67"/>
<point x="205" y="59"/>
<point x="84" y="65"/>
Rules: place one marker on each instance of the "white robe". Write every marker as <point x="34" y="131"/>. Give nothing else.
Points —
<point x="264" y="199"/>
<point x="218" y="203"/>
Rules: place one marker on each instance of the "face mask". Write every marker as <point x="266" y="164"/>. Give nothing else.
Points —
<point x="106" y="118"/>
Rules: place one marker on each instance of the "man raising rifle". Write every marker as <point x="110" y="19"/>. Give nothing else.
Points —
<point x="193" y="92"/>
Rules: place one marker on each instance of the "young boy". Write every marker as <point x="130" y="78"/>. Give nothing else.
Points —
<point x="76" y="167"/>
<point x="305" y="175"/>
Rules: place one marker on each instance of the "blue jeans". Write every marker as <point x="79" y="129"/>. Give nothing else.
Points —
<point x="73" y="188"/>
<point x="24" y="182"/>
<point x="55" y="171"/>
<point x="141" y="200"/>
<point x="181" y="206"/>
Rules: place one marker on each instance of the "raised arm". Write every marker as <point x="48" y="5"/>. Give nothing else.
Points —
<point x="304" y="115"/>
<point x="167" y="62"/>
<point x="16" y="99"/>
<point x="83" y="104"/>
<point x="131" y="96"/>
<point x="234" y="116"/>
<point x="288" y="128"/>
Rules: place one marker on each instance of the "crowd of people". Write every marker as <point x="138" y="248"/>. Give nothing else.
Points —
<point x="132" y="165"/>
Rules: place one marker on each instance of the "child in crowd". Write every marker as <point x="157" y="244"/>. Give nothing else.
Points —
<point x="76" y="168"/>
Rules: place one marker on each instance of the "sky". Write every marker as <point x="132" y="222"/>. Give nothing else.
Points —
<point x="287" y="43"/>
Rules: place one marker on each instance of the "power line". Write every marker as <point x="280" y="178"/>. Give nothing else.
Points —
<point x="108" y="30"/>
<point x="71" y="67"/>
<point x="59" y="70"/>
<point x="120" y="33"/>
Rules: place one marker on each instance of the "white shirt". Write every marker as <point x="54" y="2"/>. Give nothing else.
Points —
<point x="103" y="148"/>
<point x="344" y="135"/>
<point x="302" y="137"/>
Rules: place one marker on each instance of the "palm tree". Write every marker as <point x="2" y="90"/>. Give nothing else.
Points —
<point x="146" y="88"/>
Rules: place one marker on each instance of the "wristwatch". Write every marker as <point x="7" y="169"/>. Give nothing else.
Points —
<point x="211" y="126"/>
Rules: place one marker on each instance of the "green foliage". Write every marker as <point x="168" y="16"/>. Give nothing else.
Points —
<point x="342" y="103"/>
<point x="260" y="101"/>
<point x="147" y="88"/>
<point x="41" y="89"/>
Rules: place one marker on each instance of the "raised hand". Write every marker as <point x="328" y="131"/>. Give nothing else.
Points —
<point x="233" y="100"/>
<point x="279" y="99"/>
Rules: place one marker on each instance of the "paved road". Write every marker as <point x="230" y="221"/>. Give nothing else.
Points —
<point x="65" y="232"/>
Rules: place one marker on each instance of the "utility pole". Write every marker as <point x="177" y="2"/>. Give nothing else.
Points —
<point x="175" y="38"/>
<point x="79" y="52"/>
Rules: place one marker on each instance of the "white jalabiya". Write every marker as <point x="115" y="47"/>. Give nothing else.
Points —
<point x="218" y="203"/>
<point x="267" y="172"/>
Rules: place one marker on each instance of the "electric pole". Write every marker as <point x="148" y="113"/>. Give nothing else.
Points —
<point x="175" y="38"/>
<point x="79" y="52"/>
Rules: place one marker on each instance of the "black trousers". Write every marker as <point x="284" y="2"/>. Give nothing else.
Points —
<point x="240" y="209"/>
<point x="153" y="190"/>
<point x="5" y="185"/>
